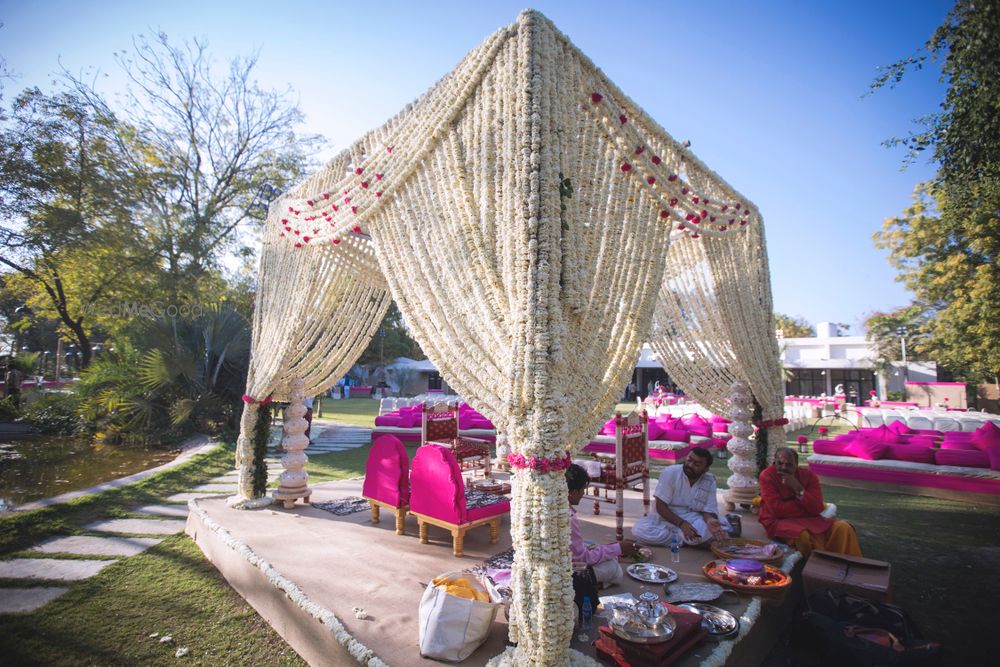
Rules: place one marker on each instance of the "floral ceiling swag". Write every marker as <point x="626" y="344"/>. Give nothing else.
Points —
<point x="535" y="227"/>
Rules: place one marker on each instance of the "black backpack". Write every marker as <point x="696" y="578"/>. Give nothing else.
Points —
<point x="853" y="630"/>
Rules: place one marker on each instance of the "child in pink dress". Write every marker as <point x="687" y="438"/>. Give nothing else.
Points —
<point x="602" y="557"/>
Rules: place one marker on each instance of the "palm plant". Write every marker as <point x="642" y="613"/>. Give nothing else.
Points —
<point x="26" y="362"/>
<point x="190" y="376"/>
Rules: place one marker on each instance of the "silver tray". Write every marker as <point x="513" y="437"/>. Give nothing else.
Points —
<point x="663" y="632"/>
<point x="651" y="573"/>
<point x="719" y="623"/>
<point x="693" y="592"/>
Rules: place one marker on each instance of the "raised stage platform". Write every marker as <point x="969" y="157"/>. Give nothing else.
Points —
<point x="306" y="570"/>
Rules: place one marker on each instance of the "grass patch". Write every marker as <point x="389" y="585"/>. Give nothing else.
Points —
<point x="353" y="411"/>
<point x="170" y="589"/>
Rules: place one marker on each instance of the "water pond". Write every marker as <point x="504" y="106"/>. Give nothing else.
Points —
<point x="36" y="467"/>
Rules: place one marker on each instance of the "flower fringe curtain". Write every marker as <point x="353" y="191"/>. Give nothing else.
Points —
<point x="520" y="214"/>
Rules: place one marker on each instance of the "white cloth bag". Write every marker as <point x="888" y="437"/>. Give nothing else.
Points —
<point x="451" y="628"/>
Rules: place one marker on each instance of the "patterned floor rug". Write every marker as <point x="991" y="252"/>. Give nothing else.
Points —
<point x="344" y="506"/>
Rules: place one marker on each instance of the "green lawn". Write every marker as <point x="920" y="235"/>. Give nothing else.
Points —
<point x="354" y="411"/>
<point x="171" y="589"/>
<point x="943" y="554"/>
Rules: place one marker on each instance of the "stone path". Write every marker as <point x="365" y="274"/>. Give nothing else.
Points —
<point x="91" y="545"/>
<point x="29" y="599"/>
<point x="338" y="438"/>
<point x="121" y="538"/>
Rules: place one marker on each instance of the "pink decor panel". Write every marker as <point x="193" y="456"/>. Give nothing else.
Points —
<point x="830" y="447"/>
<point x="912" y="453"/>
<point x="870" y="450"/>
<point x="962" y="457"/>
<point x="908" y="478"/>
<point x="387" y="472"/>
<point x="436" y="486"/>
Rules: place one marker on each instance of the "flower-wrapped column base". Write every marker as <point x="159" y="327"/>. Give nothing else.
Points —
<point x="542" y="612"/>
<point x="294" y="481"/>
<point x="743" y="487"/>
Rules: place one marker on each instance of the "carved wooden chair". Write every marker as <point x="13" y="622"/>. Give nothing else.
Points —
<point x="387" y="482"/>
<point x="628" y="469"/>
<point x="438" y="497"/>
<point x="438" y="422"/>
<point x="439" y="425"/>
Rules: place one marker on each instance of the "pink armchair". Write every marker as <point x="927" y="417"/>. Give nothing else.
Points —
<point x="387" y="479"/>
<point x="438" y="498"/>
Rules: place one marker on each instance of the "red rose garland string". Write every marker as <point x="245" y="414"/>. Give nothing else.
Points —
<point x="324" y="208"/>
<point x="692" y="218"/>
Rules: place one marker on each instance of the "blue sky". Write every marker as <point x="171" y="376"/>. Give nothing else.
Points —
<point x="769" y="93"/>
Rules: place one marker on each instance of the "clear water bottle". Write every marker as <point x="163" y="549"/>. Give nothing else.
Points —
<point x="586" y="614"/>
<point x="675" y="551"/>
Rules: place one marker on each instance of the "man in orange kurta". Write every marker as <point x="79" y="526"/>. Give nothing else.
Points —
<point x="790" y="505"/>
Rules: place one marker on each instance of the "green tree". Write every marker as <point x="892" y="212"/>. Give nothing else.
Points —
<point x="213" y="150"/>
<point x="793" y="327"/>
<point x="965" y="134"/>
<point x="884" y="332"/>
<point x="945" y="245"/>
<point x="170" y="375"/>
<point x="392" y="340"/>
<point x="67" y="232"/>
<point x="949" y="259"/>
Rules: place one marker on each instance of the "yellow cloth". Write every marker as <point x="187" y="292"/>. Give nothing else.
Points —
<point x="839" y="538"/>
<point x="462" y="587"/>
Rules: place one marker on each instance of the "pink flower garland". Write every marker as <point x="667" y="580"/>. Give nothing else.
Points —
<point x="247" y="398"/>
<point x="554" y="464"/>
<point x="768" y="423"/>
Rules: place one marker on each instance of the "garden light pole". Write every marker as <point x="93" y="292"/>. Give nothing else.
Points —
<point x="902" y="331"/>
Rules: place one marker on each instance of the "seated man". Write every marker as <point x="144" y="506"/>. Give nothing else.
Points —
<point x="686" y="507"/>
<point x="604" y="557"/>
<point x="790" y="505"/>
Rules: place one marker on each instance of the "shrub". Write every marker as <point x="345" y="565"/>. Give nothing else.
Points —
<point x="8" y="411"/>
<point x="54" y="413"/>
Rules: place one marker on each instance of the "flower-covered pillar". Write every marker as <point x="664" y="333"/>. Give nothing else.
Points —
<point x="743" y="482"/>
<point x="542" y="582"/>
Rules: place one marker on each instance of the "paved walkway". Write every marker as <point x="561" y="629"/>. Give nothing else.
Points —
<point x="112" y="539"/>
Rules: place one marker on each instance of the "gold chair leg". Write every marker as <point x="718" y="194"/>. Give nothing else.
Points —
<point x="457" y="541"/>
<point x="375" y="510"/>
<point x="400" y="519"/>
<point x="423" y="531"/>
<point x="494" y="531"/>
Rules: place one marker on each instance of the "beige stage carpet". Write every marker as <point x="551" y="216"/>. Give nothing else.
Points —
<point x="344" y="562"/>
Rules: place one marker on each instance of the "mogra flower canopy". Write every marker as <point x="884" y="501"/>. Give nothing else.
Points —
<point x="535" y="227"/>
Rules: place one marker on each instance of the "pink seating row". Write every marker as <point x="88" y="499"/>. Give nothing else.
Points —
<point x="671" y="438"/>
<point x="977" y="449"/>
<point x="409" y="417"/>
<point x="679" y="429"/>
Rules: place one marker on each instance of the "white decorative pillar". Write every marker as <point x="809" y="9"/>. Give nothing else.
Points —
<point x="503" y="452"/>
<point x="294" y="480"/>
<point x="742" y="483"/>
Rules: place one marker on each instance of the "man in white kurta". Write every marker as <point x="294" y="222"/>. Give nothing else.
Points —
<point x="686" y="505"/>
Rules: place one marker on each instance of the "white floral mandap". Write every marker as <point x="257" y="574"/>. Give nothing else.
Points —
<point x="535" y="227"/>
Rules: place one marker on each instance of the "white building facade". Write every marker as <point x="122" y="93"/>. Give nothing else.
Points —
<point x="820" y="364"/>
